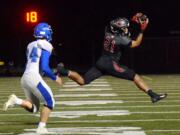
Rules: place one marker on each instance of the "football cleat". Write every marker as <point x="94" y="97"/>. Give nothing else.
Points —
<point x="43" y="130"/>
<point x="10" y="103"/>
<point x="156" y="98"/>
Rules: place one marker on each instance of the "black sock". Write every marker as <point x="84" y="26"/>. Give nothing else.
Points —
<point x="151" y="93"/>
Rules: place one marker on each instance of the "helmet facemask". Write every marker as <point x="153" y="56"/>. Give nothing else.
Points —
<point x="120" y="26"/>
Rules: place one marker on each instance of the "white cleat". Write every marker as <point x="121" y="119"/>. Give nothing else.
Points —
<point x="10" y="103"/>
<point x="42" y="130"/>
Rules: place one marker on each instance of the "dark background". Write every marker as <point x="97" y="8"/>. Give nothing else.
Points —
<point x="79" y="26"/>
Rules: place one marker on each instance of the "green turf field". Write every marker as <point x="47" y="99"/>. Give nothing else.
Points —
<point x="108" y="106"/>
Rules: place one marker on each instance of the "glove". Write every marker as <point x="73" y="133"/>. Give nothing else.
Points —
<point x="136" y="17"/>
<point x="61" y="70"/>
<point x="141" y="19"/>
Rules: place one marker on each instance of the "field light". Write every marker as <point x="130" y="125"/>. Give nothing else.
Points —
<point x="31" y="17"/>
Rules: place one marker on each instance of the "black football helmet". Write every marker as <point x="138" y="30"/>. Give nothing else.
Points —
<point x="118" y="25"/>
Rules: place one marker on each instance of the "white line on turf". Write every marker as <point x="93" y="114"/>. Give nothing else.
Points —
<point x="117" y="121"/>
<point x="6" y="133"/>
<point x="77" y="114"/>
<point x="94" y="130"/>
<point x="107" y="107"/>
<point x="88" y="102"/>
<point x="86" y="95"/>
<point x="106" y="121"/>
<point x="87" y="89"/>
<point x="148" y="112"/>
<point x="118" y="106"/>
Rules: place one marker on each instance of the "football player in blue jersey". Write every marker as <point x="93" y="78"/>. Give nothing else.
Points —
<point x="35" y="88"/>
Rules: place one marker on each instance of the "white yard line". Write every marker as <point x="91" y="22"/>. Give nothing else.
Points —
<point x="86" y="89"/>
<point x="116" y="121"/>
<point x="94" y="130"/>
<point x="101" y="121"/>
<point x="107" y="107"/>
<point x="94" y="102"/>
<point x="99" y="111"/>
<point x="118" y="106"/>
<point x="7" y="133"/>
<point x="88" y="102"/>
<point x="87" y="95"/>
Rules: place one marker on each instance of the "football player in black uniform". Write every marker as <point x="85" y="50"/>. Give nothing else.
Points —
<point x="116" y="38"/>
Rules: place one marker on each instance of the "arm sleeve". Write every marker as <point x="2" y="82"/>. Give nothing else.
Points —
<point x="44" y="64"/>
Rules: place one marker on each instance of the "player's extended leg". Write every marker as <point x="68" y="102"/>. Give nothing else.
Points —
<point x="89" y="76"/>
<point x="140" y="83"/>
<point x="73" y="75"/>
<point x="92" y="74"/>
<point x="143" y="86"/>
<point x="76" y="77"/>
<point x="128" y="74"/>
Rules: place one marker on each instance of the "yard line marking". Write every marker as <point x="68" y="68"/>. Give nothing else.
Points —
<point x="86" y="95"/>
<point x="141" y="106"/>
<point x="123" y="97"/>
<point x="95" y="130"/>
<point x="115" y="121"/>
<point x="106" y="107"/>
<point x="102" y="121"/>
<point x="87" y="102"/>
<point x="7" y="133"/>
<point x="93" y="102"/>
<point x="82" y="89"/>
<point x="77" y="114"/>
<point x="99" y="113"/>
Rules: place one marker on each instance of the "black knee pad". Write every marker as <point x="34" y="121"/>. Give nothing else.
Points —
<point x="34" y="109"/>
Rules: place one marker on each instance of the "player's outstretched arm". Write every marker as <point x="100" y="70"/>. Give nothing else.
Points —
<point x="137" y="41"/>
<point x="143" y="21"/>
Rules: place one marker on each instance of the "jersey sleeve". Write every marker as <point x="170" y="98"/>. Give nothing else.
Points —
<point x="45" y="45"/>
<point x="44" y="64"/>
<point x="123" y="41"/>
